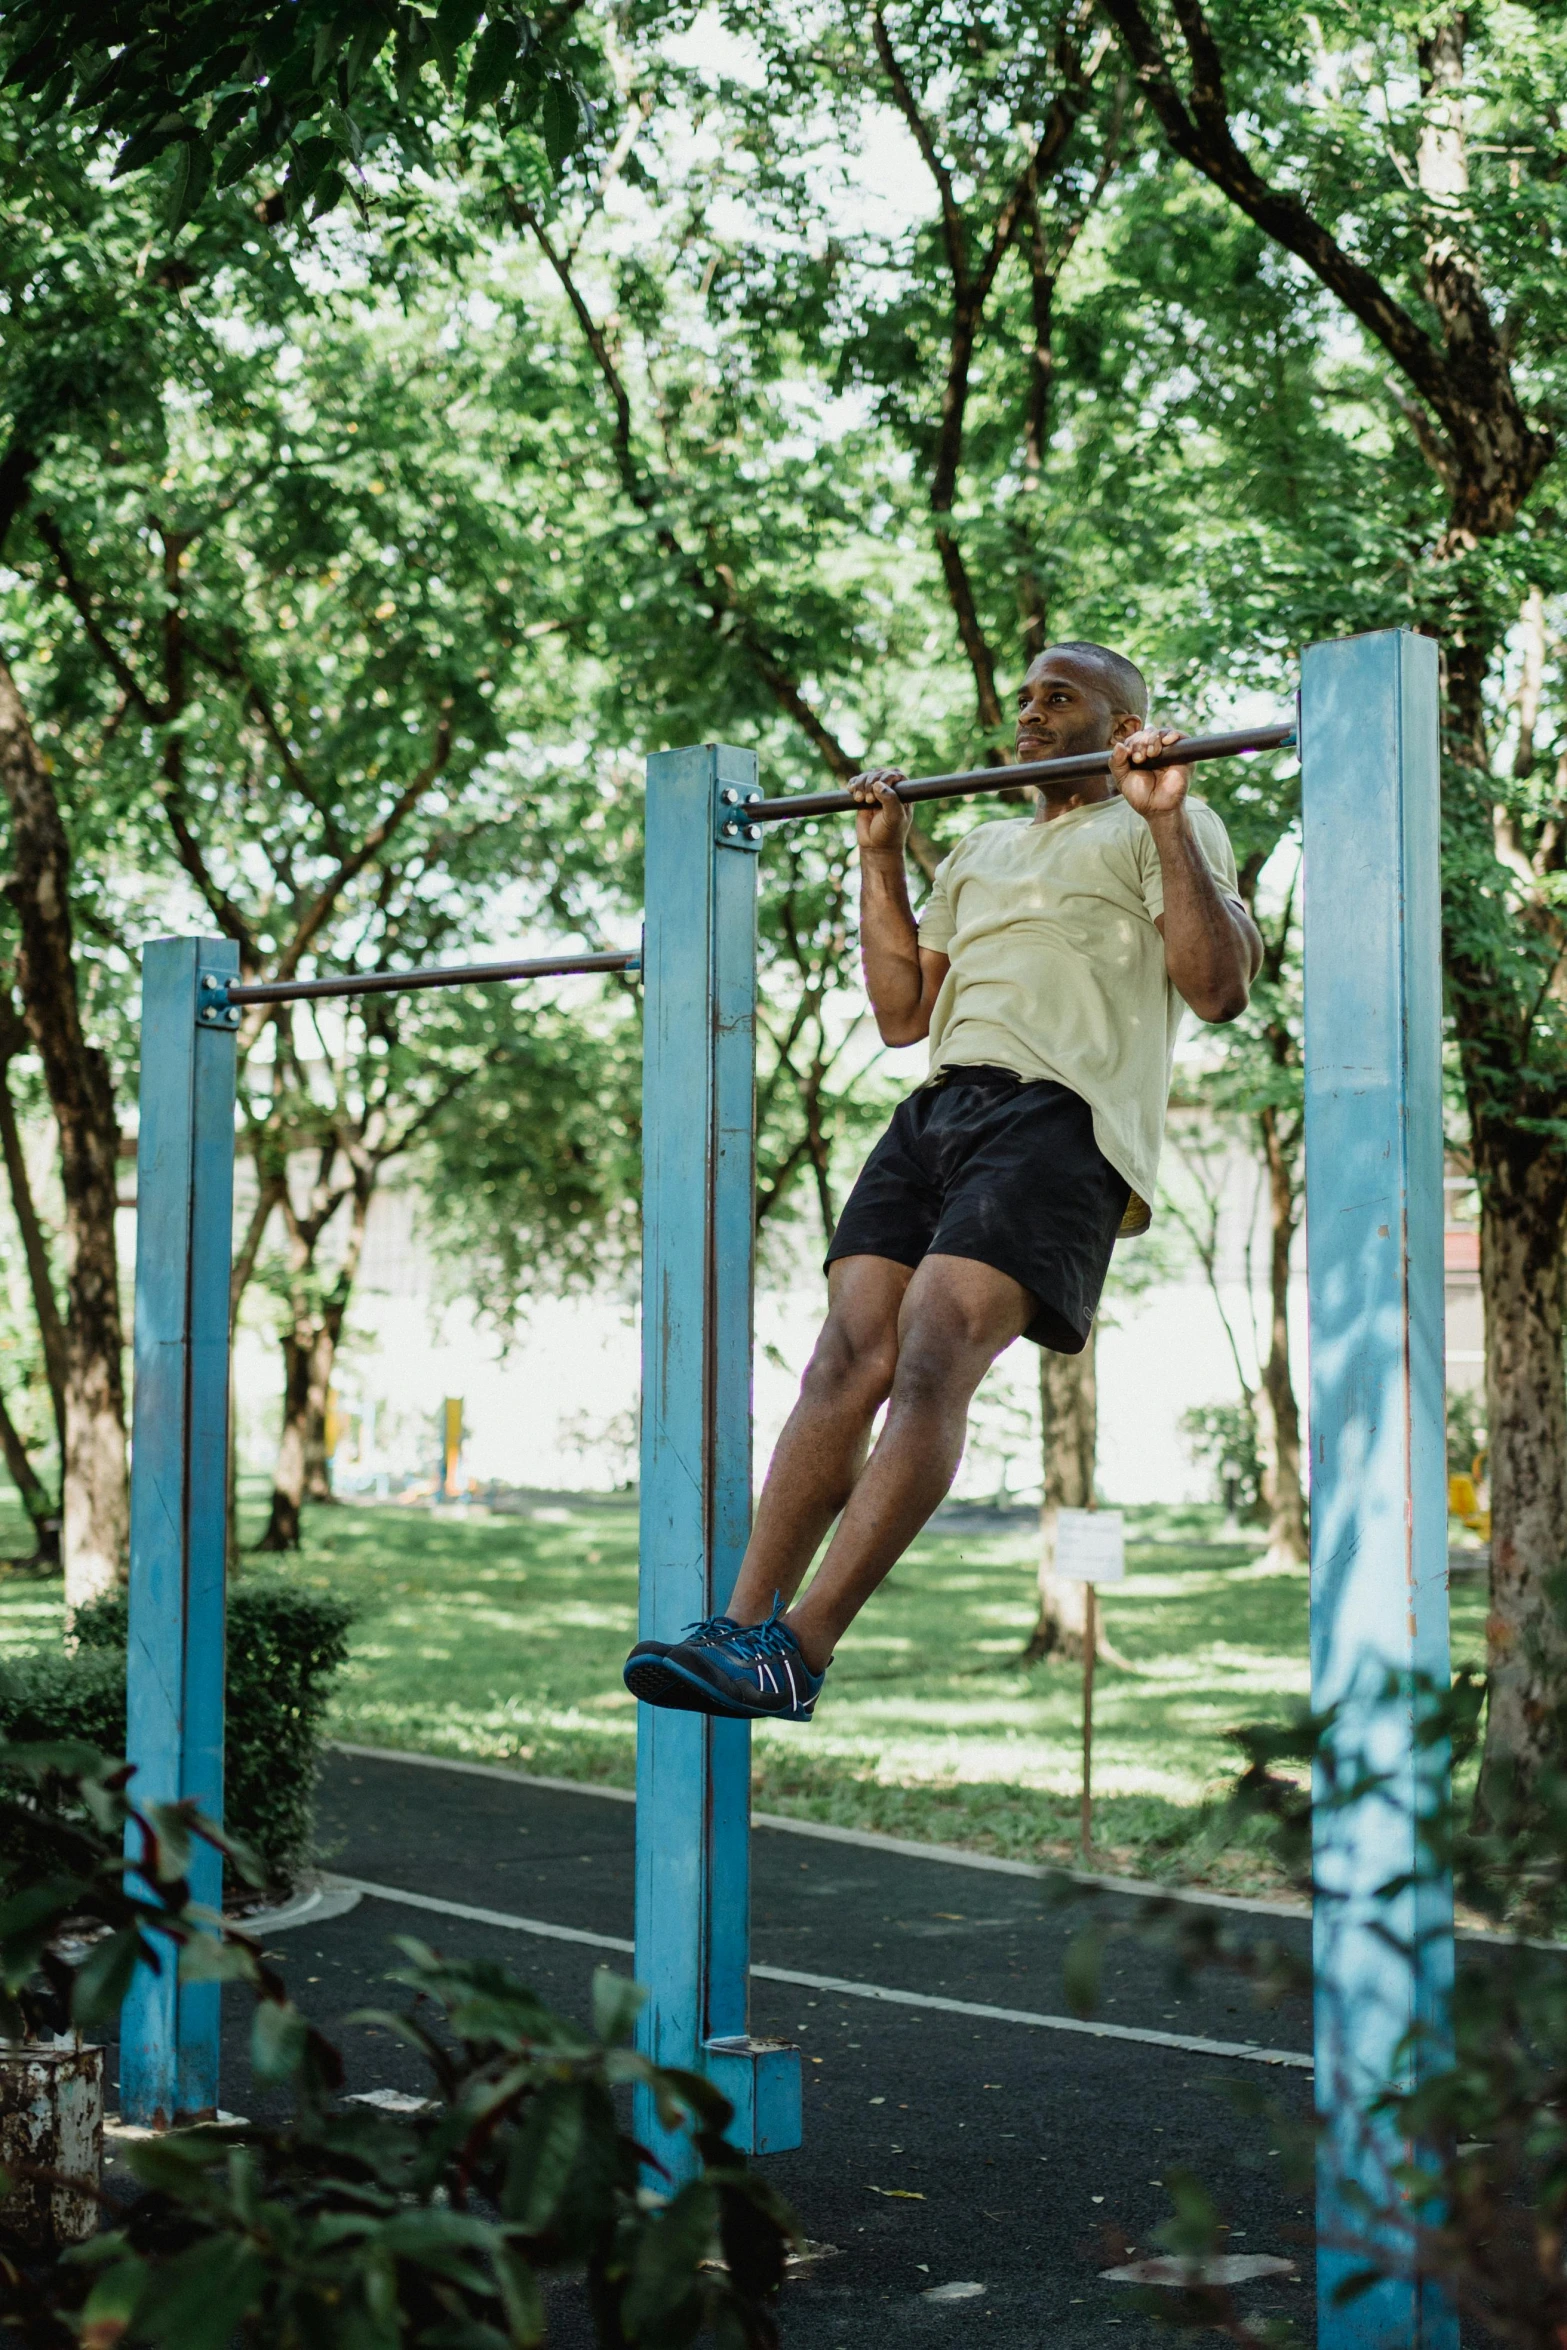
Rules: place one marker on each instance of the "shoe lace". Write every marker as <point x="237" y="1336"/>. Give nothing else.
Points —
<point x="709" y="1631"/>
<point x="772" y="1638"/>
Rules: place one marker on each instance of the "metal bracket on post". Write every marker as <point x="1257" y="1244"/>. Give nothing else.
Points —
<point x="731" y="830"/>
<point x="693" y="1888"/>
<point x="179" y="1481"/>
<point x="213" y="1009"/>
<point x="1383" y="1906"/>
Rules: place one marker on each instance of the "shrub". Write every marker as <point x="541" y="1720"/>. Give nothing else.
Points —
<point x="284" y="1645"/>
<point x="431" y="2230"/>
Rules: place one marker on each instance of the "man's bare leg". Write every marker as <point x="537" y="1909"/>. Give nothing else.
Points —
<point x="956" y="1317"/>
<point x="822" y="1449"/>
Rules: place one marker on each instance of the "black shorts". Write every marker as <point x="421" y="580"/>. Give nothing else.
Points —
<point x="984" y="1164"/>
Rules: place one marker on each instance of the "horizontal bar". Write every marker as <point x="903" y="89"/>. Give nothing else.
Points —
<point x="287" y="991"/>
<point x="1079" y="767"/>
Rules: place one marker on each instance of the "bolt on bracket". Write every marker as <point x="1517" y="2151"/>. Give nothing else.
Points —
<point x="730" y="827"/>
<point x="213" y="1009"/>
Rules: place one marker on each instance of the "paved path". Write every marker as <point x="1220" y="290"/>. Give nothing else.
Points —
<point x="942" y="2145"/>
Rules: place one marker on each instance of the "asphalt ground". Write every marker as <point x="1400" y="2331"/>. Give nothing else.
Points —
<point x="940" y="2146"/>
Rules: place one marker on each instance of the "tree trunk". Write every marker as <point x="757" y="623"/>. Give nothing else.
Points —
<point x="1523" y="1222"/>
<point x="1069" y="1413"/>
<point x="51" y="1331"/>
<point x="34" y="1494"/>
<point x="1282" y="1486"/>
<point x="1513" y="1090"/>
<point x="309" y="1353"/>
<point x="95" y="1501"/>
<point x="288" y="1474"/>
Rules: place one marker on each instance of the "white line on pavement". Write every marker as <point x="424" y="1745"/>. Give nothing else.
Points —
<point x="867" y="1839"/>
<point x="1245" y="2051"/>
<point x="910" y="1848"/>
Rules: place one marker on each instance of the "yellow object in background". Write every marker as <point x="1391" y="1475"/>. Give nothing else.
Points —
<point x="452" y="1445"/>
<point x="1462" y="1499"/>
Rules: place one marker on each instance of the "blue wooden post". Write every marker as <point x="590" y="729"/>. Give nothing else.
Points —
<point x="698" y="1142"/>
<point x="179" y="1476"/>
<point x="1371" y="798"/>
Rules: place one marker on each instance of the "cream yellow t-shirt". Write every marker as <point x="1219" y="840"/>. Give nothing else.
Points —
<point x="1058" y="971"/>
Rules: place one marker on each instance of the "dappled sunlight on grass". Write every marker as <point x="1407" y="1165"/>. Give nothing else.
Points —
<point x="501" y="1639"/>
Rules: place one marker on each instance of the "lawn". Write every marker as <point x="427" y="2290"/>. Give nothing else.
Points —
<point x="501" y="1638"/>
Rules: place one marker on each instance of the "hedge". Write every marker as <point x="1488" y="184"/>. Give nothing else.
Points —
<point x="284" y="1645"/>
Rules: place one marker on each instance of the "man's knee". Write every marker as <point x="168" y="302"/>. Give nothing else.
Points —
<point x="942" y="1356"/>
<point x="851" y="1363"/>
<point x="932" y="1369"/>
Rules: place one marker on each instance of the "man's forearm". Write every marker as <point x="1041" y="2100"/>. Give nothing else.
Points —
<point x="1208" y="945"/>
<point x="889" y="948"/>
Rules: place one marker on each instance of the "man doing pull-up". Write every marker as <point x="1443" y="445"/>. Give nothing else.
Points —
<point x="1048" y="969"/>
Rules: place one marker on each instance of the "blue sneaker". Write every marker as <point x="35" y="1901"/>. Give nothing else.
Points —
<point x="746" y="1672"/>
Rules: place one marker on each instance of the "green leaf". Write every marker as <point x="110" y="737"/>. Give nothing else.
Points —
<point x="196" y="2300"/>
<point x="31" y="1915"/>
<point x="453" y="30"/>
<point x="543" y="2156"/>
<point x="151" y="142"/>
<point x="561" y="117"/>
<point x="329" y="194"/>
<point x="171" y="1851"/>
<point x="112" y="2300"/>
<point x="1080" y="1973"/>
<point x="278" y="2036"/>
<point x="104" y="1976"/>
<point x="755" y="2227"/>
<point x="366" y="45"/>
<point x="312" y="158"/>
<point x="668" y="2256"/>
<point x="206" y="1959"/>
<point x="192" y="178"/>
<point x="617" y="2002"/>
<point x="176" y="2164"/>
<point x="493" y="63"/>
<point x="520" y="2294"/>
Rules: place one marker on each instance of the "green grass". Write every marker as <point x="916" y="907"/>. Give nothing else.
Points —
<point x="502" y="1638"/>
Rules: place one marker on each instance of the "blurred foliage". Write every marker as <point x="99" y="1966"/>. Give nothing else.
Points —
<point x="345" y="2225"/>
<point x="285" y="1644"/>
<point x="532" y="461"/>
<point x="213" y="94"/>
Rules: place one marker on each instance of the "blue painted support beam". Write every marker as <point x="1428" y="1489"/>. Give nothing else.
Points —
<point x="693" y="1892"/>
<point x="179" y="1479"/>
<point x="1371" y="799"/>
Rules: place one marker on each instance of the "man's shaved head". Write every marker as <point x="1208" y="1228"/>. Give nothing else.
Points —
<point x="1120" y="679"/>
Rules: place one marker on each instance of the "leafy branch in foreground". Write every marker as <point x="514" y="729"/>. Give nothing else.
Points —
<point x="228" y="85"/>
<point x="356" y="2229"/>
<point x="1464" y="2176"/>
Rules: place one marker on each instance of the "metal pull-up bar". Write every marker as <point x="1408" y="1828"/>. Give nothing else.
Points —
<point x="288" y="991"/>
<point x="962" y="784"/>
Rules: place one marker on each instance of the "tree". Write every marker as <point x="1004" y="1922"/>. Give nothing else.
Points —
<point x="95" y="1499"/>
<point x="309" y="87"/>
<point x="301" y="640"/>
<point x="1409" y="167"/>
<point x="1069" y="1415"/>
<point x="1258" y="1078"/>
<point x="86" y="339"/>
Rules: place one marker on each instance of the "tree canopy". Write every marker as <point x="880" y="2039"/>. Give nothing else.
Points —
<point x="790" y="378"/>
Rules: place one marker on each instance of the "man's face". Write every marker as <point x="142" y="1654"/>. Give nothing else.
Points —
<point x="1063" y="705"/>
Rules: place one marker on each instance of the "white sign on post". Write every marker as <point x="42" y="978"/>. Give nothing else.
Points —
<point x="1091" y="1546"/>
